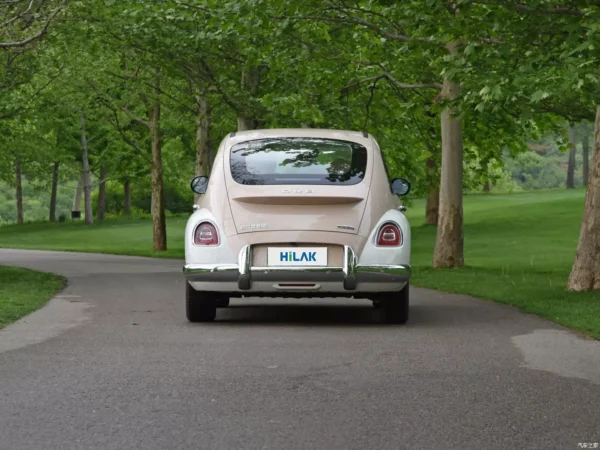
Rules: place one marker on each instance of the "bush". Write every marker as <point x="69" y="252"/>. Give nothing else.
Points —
<point x="533" y="171"/>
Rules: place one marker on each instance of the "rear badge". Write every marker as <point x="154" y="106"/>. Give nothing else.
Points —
<point x="298" y="191"/>
<point x="254" y="226"/>
<point x="346" y="227"/>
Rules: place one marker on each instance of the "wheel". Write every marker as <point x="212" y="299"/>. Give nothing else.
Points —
<point x="200" y="306"/>
<point x="222" y="302"/>
<point x="394" y="306"/>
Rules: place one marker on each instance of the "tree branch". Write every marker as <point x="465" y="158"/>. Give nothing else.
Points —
<point x="122" y="108"/>
<point x="17" y="16"/>
<point x="364" y="23"/>
<point x="116" y="125"/>
<point x="162" y="92"/>
<point x="395" y="82"/>
<point x="138" y="119"/>
<point x="562" y="11"/>
<point x="34" y="37"/>
<point x="32" y="96"/>
<point x="188" y="5"/>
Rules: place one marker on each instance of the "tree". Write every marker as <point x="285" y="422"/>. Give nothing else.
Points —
<point x="19" y="189"/>
<point x="569" y="87"/>
<point x="572" y="154"/>
<point x="449" y="239"/>
<point x="102" y="192"/>
<point x="585" y="273"/>
<point x="433" y="198"/>
<point x="585" y="145"/>
<point x="430" y="49"/>
<point x="54" y="192"/>
<point x="22" y="22"/>
<point x="584" y="130"/>
<point x="85" y="171"/>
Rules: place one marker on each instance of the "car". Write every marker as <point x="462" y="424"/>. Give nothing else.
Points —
<point x="298" y="213"/>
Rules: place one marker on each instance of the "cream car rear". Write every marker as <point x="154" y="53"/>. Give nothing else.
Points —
<point x="298" y="213"/>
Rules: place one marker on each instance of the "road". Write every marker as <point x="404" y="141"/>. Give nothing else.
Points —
<point x="112" y="363"/>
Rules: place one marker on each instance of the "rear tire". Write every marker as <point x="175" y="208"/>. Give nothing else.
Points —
<point x="394" y="306"/>
<point x="200" y="306"/>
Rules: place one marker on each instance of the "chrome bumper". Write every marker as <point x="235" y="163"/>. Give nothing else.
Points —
<point x="350" y="274"/>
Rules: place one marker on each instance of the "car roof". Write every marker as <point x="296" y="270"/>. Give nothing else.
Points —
<point x="353" y="136"/>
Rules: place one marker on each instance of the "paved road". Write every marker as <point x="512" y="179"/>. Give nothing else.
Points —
<point x="112" y="364"/>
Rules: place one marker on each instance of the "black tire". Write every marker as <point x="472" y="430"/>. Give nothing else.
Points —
<point x="394" y="306"/>
<point x="200" y="306"/>
<point x="222" y="302"/>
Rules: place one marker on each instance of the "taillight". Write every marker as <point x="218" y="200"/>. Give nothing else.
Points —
<point x="206" y="234"/>
<point x="389" y="236"/>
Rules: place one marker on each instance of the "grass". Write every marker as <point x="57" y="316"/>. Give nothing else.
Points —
<point x="23" y="291"/>
<point x="119" y="237"/>
<point x="519" y="249"/>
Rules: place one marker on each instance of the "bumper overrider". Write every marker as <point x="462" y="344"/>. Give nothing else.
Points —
<point x="350" y="275"/>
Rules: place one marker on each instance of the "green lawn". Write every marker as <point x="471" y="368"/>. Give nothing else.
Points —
<point x="518" y="249"/>
<point x="23" y="291"/>
<point x="121" y="237"/>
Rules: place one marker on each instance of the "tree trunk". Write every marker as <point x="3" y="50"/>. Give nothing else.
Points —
<point x="585" y="144"/>
<point x="433" y="199"/>
<point x="449" y="242"/>
<point x="54" y="191"/>
<point x="19" y="191"/>
<point x="87" y="182"/>
<point x="127" y="197"/>
<point x="244" y="123"/>
<point x="585" y="273"/>
<point x="102" y="192"/>
<point x="159" y="226"/>
<point x="250" y="84"/>
<point x="202" y="139"/>
<point x="571" y="167"/>
<point x="486" y="186"/>
<point x="432" y="207"/>
<point x="77" y="196"/>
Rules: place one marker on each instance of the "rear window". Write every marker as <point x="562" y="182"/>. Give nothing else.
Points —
<point x="298" y="161"/>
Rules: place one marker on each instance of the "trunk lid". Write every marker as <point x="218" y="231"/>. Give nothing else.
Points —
<point x="283" y="208"/>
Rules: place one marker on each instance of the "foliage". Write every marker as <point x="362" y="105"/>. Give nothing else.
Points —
<point x="178" y="198"/>
<point x="35" y="202"/>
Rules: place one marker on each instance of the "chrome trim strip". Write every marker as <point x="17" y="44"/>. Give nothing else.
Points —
<point x="244" y="268"/>
<point x="315" y="287"/>
<point x="349" y="268"/>
<point x="196" y="269"/>
<point x="315" y="269"/>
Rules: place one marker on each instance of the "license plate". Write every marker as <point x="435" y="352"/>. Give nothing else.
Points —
<point x="297" y="256"/>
